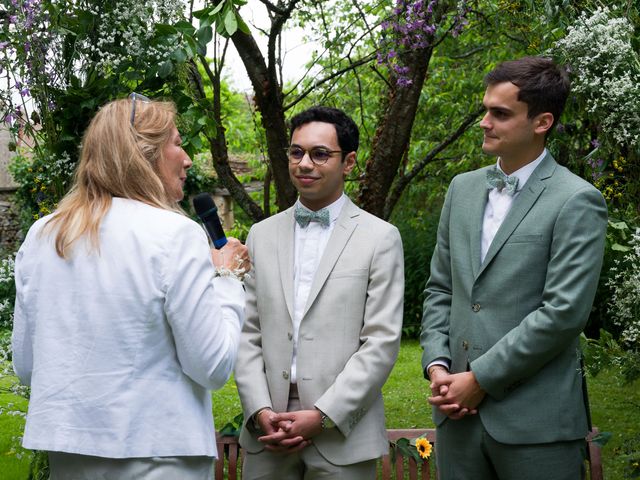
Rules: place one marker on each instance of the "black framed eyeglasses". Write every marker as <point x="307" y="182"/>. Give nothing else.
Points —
<point x="318" y="155"/>
<point x="136" y="97"/>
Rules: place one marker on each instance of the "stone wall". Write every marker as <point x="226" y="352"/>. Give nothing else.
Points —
<point x="10" y="235"/>
<point x="5" y="156"/>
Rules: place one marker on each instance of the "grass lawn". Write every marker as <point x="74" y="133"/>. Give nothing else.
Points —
<point x="615" y="408"/>
<point x="14" y="460"/>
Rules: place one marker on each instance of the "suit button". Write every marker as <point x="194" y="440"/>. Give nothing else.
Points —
<point x="475" y="307"/>
<point x="465" y="345"/>
<point x="290" y="336"/>
<point x="285" y="375"/>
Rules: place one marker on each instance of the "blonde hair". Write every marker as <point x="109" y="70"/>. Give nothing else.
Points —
<point x="116" y="160"/>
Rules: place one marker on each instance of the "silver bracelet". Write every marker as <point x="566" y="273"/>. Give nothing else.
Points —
<point x="238" y="273"/>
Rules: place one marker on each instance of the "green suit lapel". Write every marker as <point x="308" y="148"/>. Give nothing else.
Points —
<point x="480" y="194"/>
<point x="521" y="206"/>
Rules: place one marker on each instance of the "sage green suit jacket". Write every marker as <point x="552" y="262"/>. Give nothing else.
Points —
<point x="516" y="318"/>
<point x="349" y="335"/>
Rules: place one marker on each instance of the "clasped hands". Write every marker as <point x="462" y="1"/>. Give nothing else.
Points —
<point x="455" y="394"/>
<point x="288" y="432"/>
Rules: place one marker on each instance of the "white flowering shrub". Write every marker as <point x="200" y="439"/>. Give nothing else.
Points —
<point x="624" y="282"/>
<point x="605" y="71"/>
<point x="7" y="292"/>
<point x="124" y="37"/>
<point x="10" y="384"/>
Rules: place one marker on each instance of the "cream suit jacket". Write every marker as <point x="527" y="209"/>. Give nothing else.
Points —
<point x="349" y="335"/>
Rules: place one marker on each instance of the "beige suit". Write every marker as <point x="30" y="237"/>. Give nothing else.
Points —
<point x="349" y="335"/>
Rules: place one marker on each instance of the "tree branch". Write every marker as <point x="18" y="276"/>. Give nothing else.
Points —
<point x="268" y="98"/>
<point x="218" y="145"/>
<point x="351" y="66"/>
<point x="272" y="8"/>
<point x="473" y="51"/>
<point x="402" y="182"/>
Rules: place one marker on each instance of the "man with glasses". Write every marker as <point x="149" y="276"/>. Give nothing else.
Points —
<point x="324" y="316"/>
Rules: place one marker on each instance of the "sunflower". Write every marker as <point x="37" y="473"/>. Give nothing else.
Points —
<point x="424" y="447"/>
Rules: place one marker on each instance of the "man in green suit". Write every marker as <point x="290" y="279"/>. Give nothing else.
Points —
<point x="513" y="277"/>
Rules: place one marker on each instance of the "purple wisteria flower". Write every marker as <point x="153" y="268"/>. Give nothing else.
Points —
<point x="415" y="27"/>
<point x="404" y="82"/>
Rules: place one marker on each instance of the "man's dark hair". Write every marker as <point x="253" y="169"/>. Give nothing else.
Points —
<point x="346" y="128"/>
<point x="544" y="86"/>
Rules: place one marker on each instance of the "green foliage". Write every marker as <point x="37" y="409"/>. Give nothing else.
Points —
<point x="200" y="178"/>
<point x="233" y="428"/>
<point x="418" y="239"/>
<point x="624" y="304"/>
<point x="606" y="353"/>
<point x="42" y="180"/>
<point x="7" y="292"/>
<point x="243" y="126"/>
<point x="39" y="468"/>
<point x="71" y="58"/>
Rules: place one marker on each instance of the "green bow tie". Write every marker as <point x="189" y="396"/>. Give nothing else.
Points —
<point x="304" y="216"/>
<point x="497" y="179"/>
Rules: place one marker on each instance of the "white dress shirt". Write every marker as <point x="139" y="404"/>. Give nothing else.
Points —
<point x="121" y="347"/>
<point x="499" y="204"/>
<point x="309" y="245"/>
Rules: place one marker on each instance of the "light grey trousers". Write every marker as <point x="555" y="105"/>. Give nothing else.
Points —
<point x="70" y="466"/>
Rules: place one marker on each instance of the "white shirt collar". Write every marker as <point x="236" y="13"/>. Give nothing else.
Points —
<point x="525" y="172"/>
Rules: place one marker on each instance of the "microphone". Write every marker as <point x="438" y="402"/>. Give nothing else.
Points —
<point x="208" y="214"/>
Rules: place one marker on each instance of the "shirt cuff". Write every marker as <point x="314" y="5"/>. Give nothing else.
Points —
<point x="443" y="362"/>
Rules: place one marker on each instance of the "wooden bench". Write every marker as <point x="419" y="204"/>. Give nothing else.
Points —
<point x="229" y="465"/>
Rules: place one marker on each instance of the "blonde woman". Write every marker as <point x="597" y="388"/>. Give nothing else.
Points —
<point x="124" y="319"/>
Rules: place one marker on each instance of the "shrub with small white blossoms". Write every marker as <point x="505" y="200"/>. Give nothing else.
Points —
<point x="624" y="305"/>
<point x="10" y="383"/>
<point x="7" y="292"/>
<point x="605" y="71"/>
<point x="125" y="33"/>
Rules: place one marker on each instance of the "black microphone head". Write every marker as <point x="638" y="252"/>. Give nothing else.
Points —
<point x="203" y="204"/>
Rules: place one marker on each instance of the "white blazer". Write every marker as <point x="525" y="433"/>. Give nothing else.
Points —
<point x="121" y="347"/>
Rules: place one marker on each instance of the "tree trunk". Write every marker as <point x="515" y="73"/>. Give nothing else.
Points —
<point x="268" y="97"/>
<point x="392" y="137"/>
<point x="218" y="145"/>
